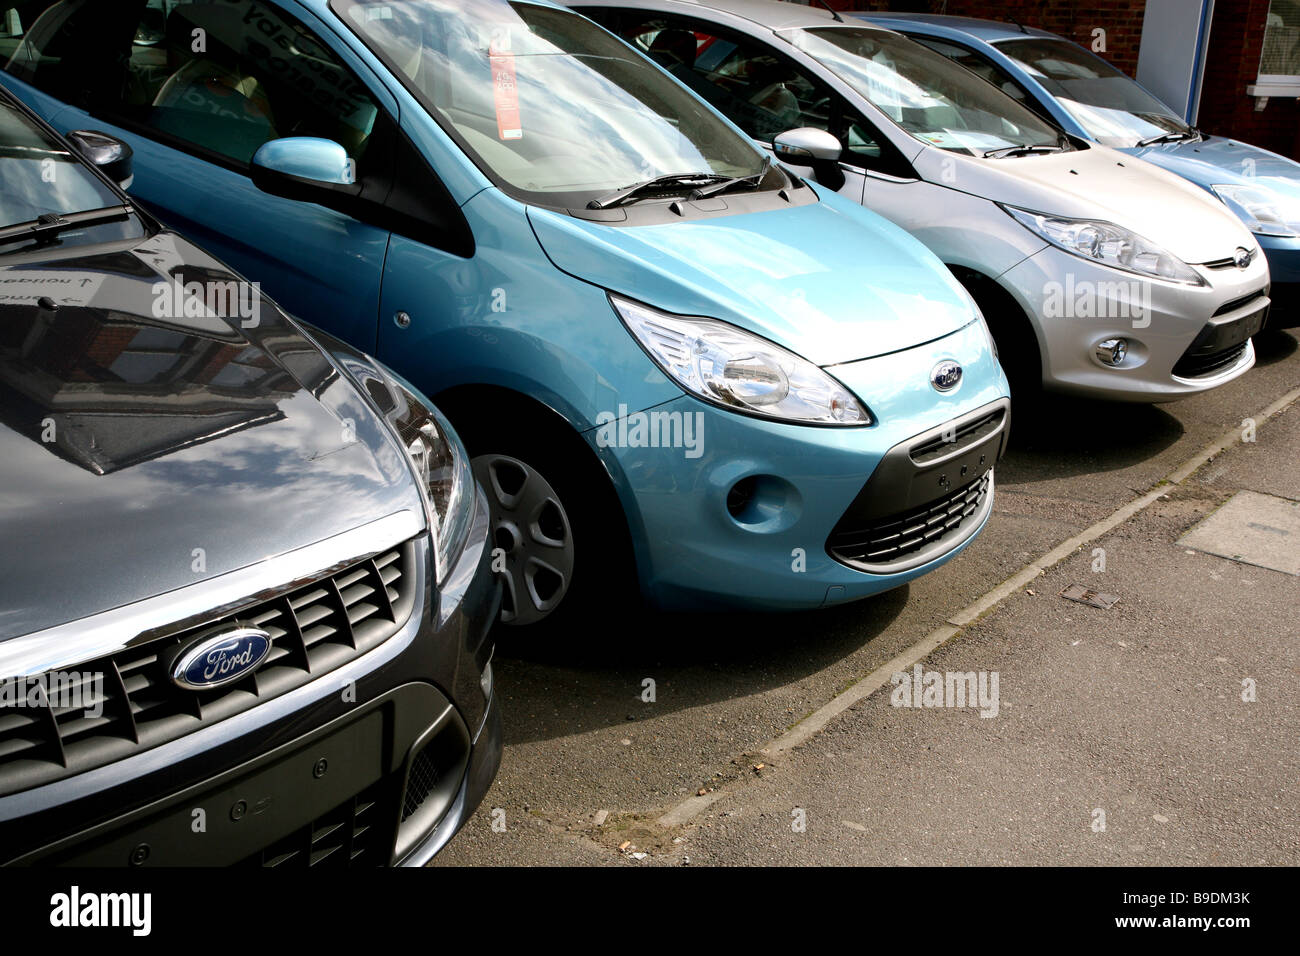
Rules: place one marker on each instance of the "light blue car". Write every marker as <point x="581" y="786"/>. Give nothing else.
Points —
<point x="1087" y="97"/>
<point x="666" y="355"/>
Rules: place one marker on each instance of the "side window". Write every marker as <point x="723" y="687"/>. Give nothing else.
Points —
<point x="761" y="92"/>
<point x="75" y="50"/>
<point x="223" y="78"/>
<point x="982" y="67"/>
<point x="228" y="77"/>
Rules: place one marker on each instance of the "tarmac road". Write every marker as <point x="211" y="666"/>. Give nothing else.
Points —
<point x="1134" y="711"/>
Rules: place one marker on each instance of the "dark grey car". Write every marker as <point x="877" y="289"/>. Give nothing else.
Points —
<point x="244" y="570"/>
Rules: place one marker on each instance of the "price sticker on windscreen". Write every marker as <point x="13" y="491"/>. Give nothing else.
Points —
<point x="505" y="89"/>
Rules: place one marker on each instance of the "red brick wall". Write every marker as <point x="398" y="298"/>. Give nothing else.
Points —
<point x="1236" y="41"/>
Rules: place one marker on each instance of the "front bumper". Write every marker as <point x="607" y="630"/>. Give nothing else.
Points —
<point x="748" y="521"/>
<point x="1284" y="269"/>
<point x="377" y="761"/>
<point x="1076" y="304"/>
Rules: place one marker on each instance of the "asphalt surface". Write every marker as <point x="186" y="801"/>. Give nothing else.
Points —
<point x="1134" y="711"/>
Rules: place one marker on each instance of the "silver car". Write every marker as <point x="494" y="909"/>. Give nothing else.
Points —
<point x="1098" y="273"/>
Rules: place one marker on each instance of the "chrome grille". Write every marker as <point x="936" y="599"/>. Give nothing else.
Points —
<point x="314" y="629"/>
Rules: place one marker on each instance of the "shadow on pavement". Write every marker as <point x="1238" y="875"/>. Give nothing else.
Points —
<point x="594" y="679"/>
<point x="1275" y="345"/>
<point x="1060" y="436"/>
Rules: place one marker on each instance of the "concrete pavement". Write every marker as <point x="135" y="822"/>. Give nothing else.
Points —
<point x="1133" y="711"/>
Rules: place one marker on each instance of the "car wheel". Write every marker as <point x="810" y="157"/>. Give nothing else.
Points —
<point x="563" y="546"/>
<point x="531" y="527"/>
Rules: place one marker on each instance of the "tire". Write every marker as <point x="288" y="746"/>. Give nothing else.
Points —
<point x="1013" y="334"/>
<point x="558" y="523"/>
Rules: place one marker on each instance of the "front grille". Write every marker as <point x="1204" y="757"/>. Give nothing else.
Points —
<point x="353" y="834"/>
<point x="314" y="629"/>
<point x="1235" y="304"/>
<point x="893" y="538"/>
<point x="949" y="442"/>
<point x="1196" y="366"/>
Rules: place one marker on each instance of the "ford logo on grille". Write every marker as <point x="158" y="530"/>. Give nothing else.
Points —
<point x="220" y="657"/>
<point x="1243" y="257"/>
<point x="945" y="376"/>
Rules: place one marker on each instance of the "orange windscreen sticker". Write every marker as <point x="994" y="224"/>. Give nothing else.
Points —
<point x="505" y="93"/>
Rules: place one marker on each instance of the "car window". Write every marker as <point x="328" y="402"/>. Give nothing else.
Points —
<point x="759" y="90"/>
<point x="551" y="107"/>
<point x="1113" y="108"/>
<point x="983" y="68"/>
<point x="40" y="177"/>
<point x="224" y="77"/>
<point x="927" y="95"/>
<point x="762" y="93"/>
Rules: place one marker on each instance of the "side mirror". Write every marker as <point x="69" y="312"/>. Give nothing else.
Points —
<point x="305" y="168"/>
<point x="817" y="148"/>
<point x="807" y="146"/>
<point x="112" y="156"/>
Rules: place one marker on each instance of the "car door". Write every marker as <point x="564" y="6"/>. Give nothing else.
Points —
<point x="196" y="88"/>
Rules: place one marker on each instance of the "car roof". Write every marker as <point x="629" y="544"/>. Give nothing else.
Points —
<point x="990" y="31"/>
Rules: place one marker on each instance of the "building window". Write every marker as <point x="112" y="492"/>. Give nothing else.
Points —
<point x="1279" y="64"/>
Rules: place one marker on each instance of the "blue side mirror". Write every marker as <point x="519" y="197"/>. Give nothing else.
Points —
<point x="305" y="159"/>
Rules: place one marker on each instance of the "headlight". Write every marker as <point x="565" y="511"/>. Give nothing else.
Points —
<point x="441" y="468"/>
<point x="1108" y="244"/>
<point x="738" y="370"/>
<point x="1263" y="212"/>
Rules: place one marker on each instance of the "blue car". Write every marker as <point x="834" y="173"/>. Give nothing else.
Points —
<point x="1087" y="97"/>
<point x="680" y="371"/>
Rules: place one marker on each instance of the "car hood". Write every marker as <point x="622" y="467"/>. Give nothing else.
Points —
<point x="141" y="454"/>
<point x="828" y="280"/>
<point x="1217" y="160"/>
<point x="1101" y="183"/>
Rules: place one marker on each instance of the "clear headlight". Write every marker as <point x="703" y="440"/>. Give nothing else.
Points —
<point x="739" y="370"/>
<point x="442" y="470"/>
<point x="1108" y="244"/>
<point x="1263" y="212"/>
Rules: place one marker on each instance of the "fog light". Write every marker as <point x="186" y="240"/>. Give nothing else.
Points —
<point x="1112" y="351"/>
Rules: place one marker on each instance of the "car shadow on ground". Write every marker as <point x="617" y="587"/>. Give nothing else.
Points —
<point x="1275" y="345"/>
<point x="575" y="683"/>
<point x="1060" y="436"/>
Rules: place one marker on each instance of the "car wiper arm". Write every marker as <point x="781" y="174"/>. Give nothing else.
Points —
<point x="752" y="180"/>
<point x="51" y="224"/>
<point x="1173" y="136"/>
<point x="1020" y="151"/>
<point x="672" y="179"/>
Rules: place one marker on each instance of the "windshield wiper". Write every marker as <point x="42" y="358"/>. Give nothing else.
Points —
<point x="1173" y="136"/>
<point x="46" y="227"/>
<point x="751" y="181"/>
<point x="689" y="180"/>
<point x="1020" y="151"/>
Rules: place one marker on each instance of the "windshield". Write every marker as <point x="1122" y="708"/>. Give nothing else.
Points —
<point x="548" y="104"/>
<point x="925" y="93"/>
<point x="1109" y="105"/>
<point x="39" y="177"/>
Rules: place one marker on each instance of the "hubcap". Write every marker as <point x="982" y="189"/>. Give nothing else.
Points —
<point x="530" y="525"/>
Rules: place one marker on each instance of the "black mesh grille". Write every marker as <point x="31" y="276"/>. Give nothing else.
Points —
<point x="1195" y="366"/>
<point x="353" y="834"/>
<point x="314" y="629"/>
<point x="894" y="538"/>
<point x="423" y="778"/>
